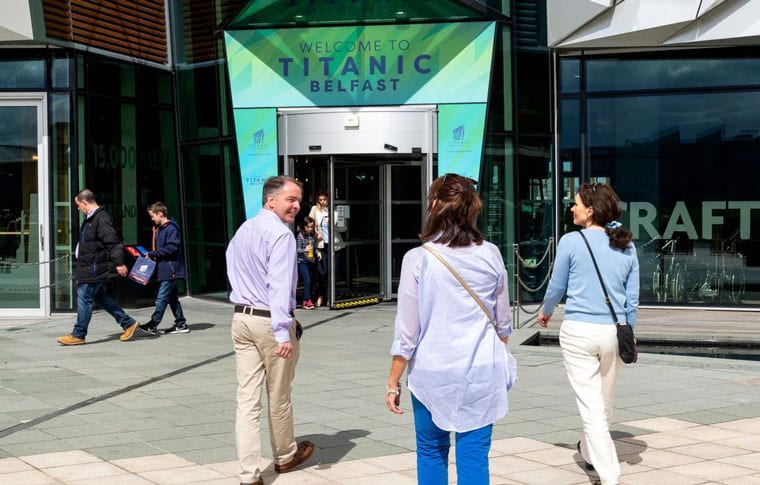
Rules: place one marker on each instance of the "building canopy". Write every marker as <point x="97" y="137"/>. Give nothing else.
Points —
<point x="270" y="13"/>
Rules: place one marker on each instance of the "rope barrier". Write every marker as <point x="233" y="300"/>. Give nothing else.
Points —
<point x="35" y="288"/>
<point x="10" y="264"/>
<point x="520" y="285"/>
<point x="6" y="267"/>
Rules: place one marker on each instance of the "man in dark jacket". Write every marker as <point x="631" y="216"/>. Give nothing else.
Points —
<point x="167" y="252"/>
<point x="99" y="255"/>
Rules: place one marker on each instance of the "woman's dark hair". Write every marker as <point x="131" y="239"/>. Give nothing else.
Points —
<point x="453" y="208"/>
<point x="606" y="205"/>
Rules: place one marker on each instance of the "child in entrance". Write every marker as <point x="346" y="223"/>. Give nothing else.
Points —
<point x="167" y="252"/>
<point x="307" y="257"/>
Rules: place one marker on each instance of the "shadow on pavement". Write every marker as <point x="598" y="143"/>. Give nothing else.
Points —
<point x="331" y="448"/>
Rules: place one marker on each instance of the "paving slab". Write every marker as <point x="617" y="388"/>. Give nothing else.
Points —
<point x="161" y="410"/>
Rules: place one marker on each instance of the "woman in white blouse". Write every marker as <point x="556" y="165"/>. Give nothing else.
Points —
<point x="320" y="212"/>
<point x="459" y="369"/>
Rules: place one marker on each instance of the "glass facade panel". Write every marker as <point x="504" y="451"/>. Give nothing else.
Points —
<point x="207" y="236"/>
<point x="60" y="154"/>
<point x="694" y="232"/>
<point x="61" y="67"/>
<point x="629" y="74"/>
<point x="22" y="74"/>
<point x="684" y="164"/>
<point x="570" y="75"/>
<point x="19" y="208"/>
<point x="110" y="78"/>
<point x="128" y="154"/>
<point x="199" y="109"/>
<point x="500" y="102"/>
<point x="155" y="86"/>
<point x="497" y="189"/>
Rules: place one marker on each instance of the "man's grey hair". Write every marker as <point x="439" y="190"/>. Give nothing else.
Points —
<point x="272" y="185"/>
<point x="86" y="195"/>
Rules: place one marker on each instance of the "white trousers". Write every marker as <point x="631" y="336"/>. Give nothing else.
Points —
<point x="590" y="352"/>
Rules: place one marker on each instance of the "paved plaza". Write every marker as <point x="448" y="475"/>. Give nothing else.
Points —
<point x="161" y="410"/>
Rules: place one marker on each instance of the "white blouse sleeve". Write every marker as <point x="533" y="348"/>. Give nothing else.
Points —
<point x="407" y="325"/>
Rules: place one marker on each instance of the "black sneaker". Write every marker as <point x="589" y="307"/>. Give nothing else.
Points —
<point x="148" y="329"/>
<point x="178" y="329"/>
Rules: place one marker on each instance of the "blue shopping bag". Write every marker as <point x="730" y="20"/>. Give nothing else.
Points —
<point x="142" y="270"/>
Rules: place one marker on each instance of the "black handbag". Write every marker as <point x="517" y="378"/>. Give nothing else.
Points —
<point x="628" y="351"/>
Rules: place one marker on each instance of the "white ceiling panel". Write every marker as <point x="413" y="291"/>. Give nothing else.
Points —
<point x="708" y="5"/>
<point x="723" y="26"/>
<point x="659" y="19"/>
<point x="566" y="16"/>
<point x="16" y="24"/>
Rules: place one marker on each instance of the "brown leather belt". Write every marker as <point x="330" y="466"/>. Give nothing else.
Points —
<point x="249" y="310"/>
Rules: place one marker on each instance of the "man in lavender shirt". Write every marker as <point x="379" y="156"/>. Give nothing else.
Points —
<point x="261" y="267"/>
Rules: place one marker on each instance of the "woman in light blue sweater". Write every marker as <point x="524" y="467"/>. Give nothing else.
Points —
<point x="588" y="335"/>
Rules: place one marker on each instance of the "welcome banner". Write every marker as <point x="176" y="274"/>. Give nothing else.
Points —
<point x="460" y="138"/>
<point x="361" y="65"/>
<point x="257" y="150"/>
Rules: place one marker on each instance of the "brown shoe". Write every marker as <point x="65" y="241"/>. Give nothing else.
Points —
<point x="304" y="451"/>
<point x="70" y="340"/>
<point x="129" y="332"/>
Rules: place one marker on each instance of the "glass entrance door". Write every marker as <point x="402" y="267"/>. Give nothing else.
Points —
<point x="378" y="210"/>
<point x="358" y="223"/>
<point x="23" y="199"/>
<point x="405" y="194"/>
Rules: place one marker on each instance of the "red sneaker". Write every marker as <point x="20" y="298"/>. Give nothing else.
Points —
<point x="308" y="304"/>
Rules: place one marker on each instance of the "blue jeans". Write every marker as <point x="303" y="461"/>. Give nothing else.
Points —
<point x="433" y="445"/>
<point x="167" y="294"/>
<point x="323" y="272"/>
<point x="305" y="268"/>
<point x="89" y="293"/>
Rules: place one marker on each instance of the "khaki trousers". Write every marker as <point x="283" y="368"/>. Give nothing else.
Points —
<point x="256" y="365"/>
<point x="590" y="352"/>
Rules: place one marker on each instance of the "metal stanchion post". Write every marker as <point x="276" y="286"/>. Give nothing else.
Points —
<point x="516" y="291"/>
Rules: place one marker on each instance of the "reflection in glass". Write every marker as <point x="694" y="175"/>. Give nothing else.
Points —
<point x="357" y="267"/>
<point x="685" y="166"/>
<point x="22" y="74"/>
<point x="60" y="71"/>
<point x="60" y="153"/>
<point x="629" y="74"/>
<point x="19" y="208"/>
<point x="206" y="239"/>
<point x="570" y="75"/>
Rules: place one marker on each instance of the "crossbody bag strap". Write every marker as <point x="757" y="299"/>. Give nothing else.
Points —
<point x="599" y="274"/>
<point x="462" y="282"/>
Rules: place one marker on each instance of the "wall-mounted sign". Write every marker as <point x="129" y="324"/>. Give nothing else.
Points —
<point x="257" y="150"/>
<point x="460" y="138"/>
<point x="360" y="66"/>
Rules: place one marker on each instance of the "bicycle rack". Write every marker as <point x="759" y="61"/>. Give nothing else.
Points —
<point x="518" y="264"/>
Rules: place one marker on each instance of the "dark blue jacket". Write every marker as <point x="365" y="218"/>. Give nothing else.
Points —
<point x="168" y="253"/>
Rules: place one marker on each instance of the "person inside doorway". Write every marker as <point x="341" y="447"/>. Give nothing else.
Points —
<point x="320" y="212"/>
<point x="307" y="258"/>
